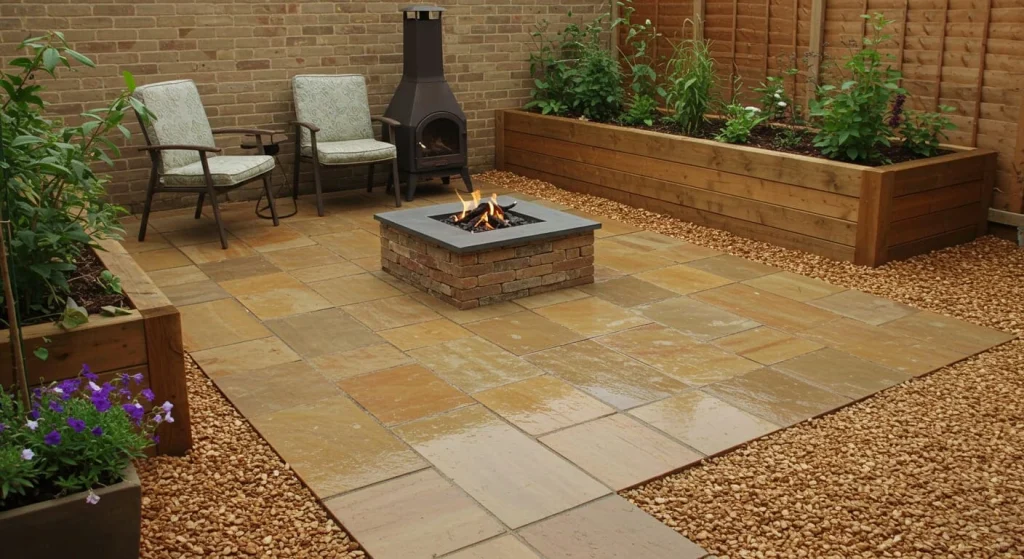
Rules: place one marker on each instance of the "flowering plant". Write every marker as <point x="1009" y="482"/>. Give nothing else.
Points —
<point x="75" y="435"/>
<point x="741" y="122"/>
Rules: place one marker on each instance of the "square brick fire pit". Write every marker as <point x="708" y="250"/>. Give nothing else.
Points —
<point x="468" y="270"/>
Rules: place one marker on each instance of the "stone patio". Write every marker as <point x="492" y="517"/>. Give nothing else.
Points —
<point x="503" y="432"/>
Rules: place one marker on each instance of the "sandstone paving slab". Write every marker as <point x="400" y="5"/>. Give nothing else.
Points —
<point x="683" y="279"/>
<point x="424" y="334"/>
<point x="322" y="226"/>
<point x="625" y="259"/>
<point x="154" y="240"/>
<point x="239" y="268"/>
<point x="275" y="295"/>
<point x="336" y="447"/>
<point x="207" y="253"/>
<point x="733" y="267"/>
<point x="359" y="361"/>
<point x="176" y="276"/>
<point x="648" y="240"/>
<point x="542" y="404"/>
<point x="327" y="272"/>
<point x="391" y="312"/>
<point x="767" y="308"/>
<point x="403" y="394"/>
<point x="550" y="297"/>
<point x="516" y="478"/>
<point x="609" y="528"/>
<point x="678" y="355"/>
<point x="204" y="233"/>
<point x="628" y="291"/>
<point x="475" y="364"/>
<point x="947" y="332"/>
<point x="794" y="286"/>
<point x="504" y="547"/>
<point x="703" y="422"/>
<point x="353" y="289"/>
<point x="523" y="332"/>
<point x="276" y="388"/>
<point x="592" y="316"/>
<point x="244" y="356"/>
<point x="303" y="257"/>
<point x="864" y="307"/>
<point x="195" y="292"/>
<point x="266" y="239"/>
<point x="776" y="397"/>
<point x="418" y="516"/>
<point x="161" y="259"/>
<point x="174" y="220"/>
<point x="685" y="252"/>
<point x="766" y="345"/>
<point x="696" y="319"/>
<point x="607" y="375"/>
<point x="355" y="243"/>
<point x="322" y="332"/>
<point x="218" y="323"/>
<point x="620" y="451"/>
<point x="842" y="373"/>
<point x="465" y="316"/>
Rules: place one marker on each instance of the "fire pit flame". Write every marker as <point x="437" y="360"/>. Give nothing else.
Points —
<point x="479" y="216"/>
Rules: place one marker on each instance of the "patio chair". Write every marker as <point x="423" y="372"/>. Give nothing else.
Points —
<point x="184" y="156"/>
<point x="334" y="128"/>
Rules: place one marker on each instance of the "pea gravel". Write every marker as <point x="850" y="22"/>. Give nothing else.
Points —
<point x="232" y="496"/>
<point x="930" y="468"/>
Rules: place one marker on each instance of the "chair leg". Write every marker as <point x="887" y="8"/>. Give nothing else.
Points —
<point x="150" y="190"/>
<point x="295" y="176"/>
<point x="394" y="178"/>
<point x="270" y="198"/>
<point x="199" y="205"/>
<point x="410" y="187"/>
<point x="216" y="216"/>
<point x="319" y="189"/>
<point x="466" y="179"/>
<point x="369" y="179"/>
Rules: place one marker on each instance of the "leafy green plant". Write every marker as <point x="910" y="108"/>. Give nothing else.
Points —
<point x="689" y="84"/>
<point x="852" y="117"/>
<point x="74" y="436"/>
<point x="551" y="65"/>
<point x="739" y="124"/>
<point x="598" y="87"/>
<point x="772" y="96"/>
<point x="643" y="110"/>
<point x="111" y="283"/>
<point x="922" y="132"/>
<point x="789" y="137"/>
<point x="55" y="202"/>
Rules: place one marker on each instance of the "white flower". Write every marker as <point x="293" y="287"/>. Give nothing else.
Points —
<point x="58" y="390"/>
<point x="92" y="498"/>
<point x="95" y="387"/>
<point x="168" y="418"/>
<point x="778" y="95"/>
<point x="27" y="454"/>
<point x="32" y="424"/>
<point x="782" y="104"/>
<point x="753" y="109"/>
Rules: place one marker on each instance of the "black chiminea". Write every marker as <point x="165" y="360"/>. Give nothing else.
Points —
<point x="431" y="138"/>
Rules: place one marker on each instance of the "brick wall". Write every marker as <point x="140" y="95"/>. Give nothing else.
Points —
<point x="242" y="54"/>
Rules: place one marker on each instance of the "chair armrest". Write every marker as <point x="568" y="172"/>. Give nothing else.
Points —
<point x="389" y="121"/>
<point x="183" y="147"/>
<point x="306" y="125"/>
<point x="243" y="131"/>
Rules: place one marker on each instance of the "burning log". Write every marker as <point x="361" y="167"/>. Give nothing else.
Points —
<point x="483" y="209"/>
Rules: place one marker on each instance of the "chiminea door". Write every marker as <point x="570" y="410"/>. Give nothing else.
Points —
<point x="440" y="140"/>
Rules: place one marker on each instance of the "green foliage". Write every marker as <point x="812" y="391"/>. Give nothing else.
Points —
<point x="641" y="38"/>
<point x="772" y="96"/>
<point x="111" y="283"/>
<point x="644" y="110"/>
<point x="741" y="121"/>
<point x="789" y="137"/>
<point x="922" y="132"/>
<point x="54" y="200"/>
<point x="689" y="84"/>
<point x="852" y="117"/>
<point x="574" y="73"/>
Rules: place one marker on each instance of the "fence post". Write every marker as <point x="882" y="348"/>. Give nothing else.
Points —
<point x="698" y="20"/>
<point x="816" y="46"/>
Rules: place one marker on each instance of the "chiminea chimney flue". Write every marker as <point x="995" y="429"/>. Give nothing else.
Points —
<point x="423" y="57"/>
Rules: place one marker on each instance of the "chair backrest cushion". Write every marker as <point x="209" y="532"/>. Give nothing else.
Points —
<point x="180" y="119"/>
<point x="337" y="104"/>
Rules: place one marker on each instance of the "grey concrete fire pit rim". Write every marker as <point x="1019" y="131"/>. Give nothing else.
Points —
<point x="420" y="223"/>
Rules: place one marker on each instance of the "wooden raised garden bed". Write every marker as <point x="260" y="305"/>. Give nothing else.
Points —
<point x="843" y="211"/>
<point x="147" y="340"/>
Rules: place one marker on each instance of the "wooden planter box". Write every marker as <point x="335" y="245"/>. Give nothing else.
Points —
<point x="843" y="211"/>
<point x="148" y="341"/>
<point x="70" y="527"/>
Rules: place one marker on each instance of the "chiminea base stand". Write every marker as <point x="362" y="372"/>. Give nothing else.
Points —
<point x="412" y="179"/>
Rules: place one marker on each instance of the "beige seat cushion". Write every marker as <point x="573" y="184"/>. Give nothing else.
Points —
<point x="352" y="152"/>
<point x="225" y="170"/>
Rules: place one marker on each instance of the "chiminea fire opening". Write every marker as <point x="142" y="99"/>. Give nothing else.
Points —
<point x="431" y="136"/>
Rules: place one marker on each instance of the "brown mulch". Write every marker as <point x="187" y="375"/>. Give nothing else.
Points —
<point x="232" y="496"/>
<point x="930" y="468"/>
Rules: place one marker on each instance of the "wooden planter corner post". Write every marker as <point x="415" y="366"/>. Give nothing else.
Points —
<point x="147" y="340"/>
<point x="843" y="211"/>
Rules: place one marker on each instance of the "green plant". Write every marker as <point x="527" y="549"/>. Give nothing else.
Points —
<point x="774" y="100"/>
<point x="55" y="202"/>
<point x="598" y="88"/>
<point x="689" y="84"/>
<point x="644" y="110"/>
<point x="740" y="122"/>
<point x="73" y="436"/>
<point x="922" y="132"/>
<point x="852" y="117"/>
<point x="551" y="66"/>
<point x="111" y="283"/>
<point x="788" y="137"/>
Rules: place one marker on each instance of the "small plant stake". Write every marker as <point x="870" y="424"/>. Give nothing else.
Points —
<point x="12" y="317"/>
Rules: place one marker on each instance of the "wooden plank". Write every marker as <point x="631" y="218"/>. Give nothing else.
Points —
<point x="806" y="199"/>
<point x="873" y="223"/>
<point x="166" y="358"/>
<point x="988" y="187"/>
<point x="980" y="84"/>
<point x="931" y="201"/>
<point x="942" y="51"/>
<point x="922" y="227"/>
<point x="141" y="290"/>
<point x="104" y="343"/>
<point x="939" y="172"/>
<point x="1016" y="195"/>
<point x="928" y="244"/>
<point x="808" y="172"/>
<point x="732" y="59"/>
<point x="739" y="227"/>
<point x="780" y="217"/>
<point x="499" y="139"/>
<point x="815" y="47"/>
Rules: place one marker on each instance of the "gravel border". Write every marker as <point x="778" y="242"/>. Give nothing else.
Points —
<point x="930" y="468"/>
<point x="232" y="496"/>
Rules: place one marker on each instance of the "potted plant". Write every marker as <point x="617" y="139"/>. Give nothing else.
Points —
<point x="67" y="486"/>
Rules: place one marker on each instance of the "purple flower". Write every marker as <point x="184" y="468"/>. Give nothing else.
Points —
<point x="100" y="401"/>
<point x="167" y="407"/>
<point x="168" y="418"/>
<point x="897" y="111"/>
<point x="156" y="439"/>
<point x="27" y="454"/>
<point x="37" y="393"/>
<point x="147" y="394"/>
<point x="32" y="424"/>
<point x="77" y="424"/>
<point x="94" y="387"/>
<point x="87" y="373"/>
<point x="2" y="427"/>
<point x="137" y="378"/>
<point x="134" y="411"/>
<point x="98" y="431"/>
<point x="34" y="414"/>
<point x="92" y="498"/>
<point x="68" y="387"/>
<point x="124" y="392"/>
<point x="158" y="419"/>
<point x="56" y="407"/>
<point x="52" y="438"/>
